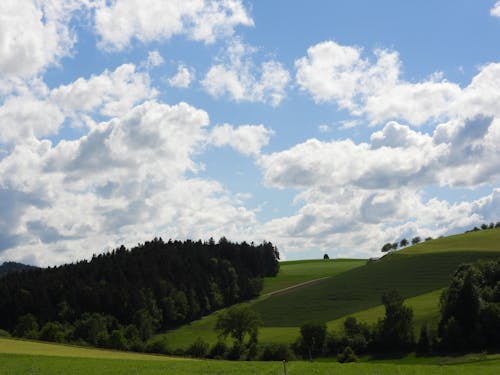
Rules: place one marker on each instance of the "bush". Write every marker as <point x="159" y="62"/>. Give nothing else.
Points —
<point x="235" y="353"/>
<point x="218" y="351"/>
<point x="347" y="355"/>
<point x="158" y="345"/>
<point x="27" y="327"/>
<point x="52" y="331"/>
<point x="277" y="352"/>
<point x="4" y="333"/>
<point x="117" y="340"/>
<point x="198" y="349"/>
<point x="333" y="343"/>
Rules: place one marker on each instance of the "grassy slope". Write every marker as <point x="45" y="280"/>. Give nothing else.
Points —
<point x="291" y="273"/>
<point x="425" y="309"/>
<point x="414" y="271"/>
<point x="14" y="346"/>
<point x="24" y="357"/>
<point x="482" y="241"/>
<point x="298" y="271"/>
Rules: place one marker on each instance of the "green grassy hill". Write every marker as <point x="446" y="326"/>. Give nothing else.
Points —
<point x="414" y="271"/>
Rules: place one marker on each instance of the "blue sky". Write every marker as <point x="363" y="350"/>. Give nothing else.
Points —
<point x="321" y="126"/>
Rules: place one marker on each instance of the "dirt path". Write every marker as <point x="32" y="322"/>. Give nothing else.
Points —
<point x="296" y="286"/>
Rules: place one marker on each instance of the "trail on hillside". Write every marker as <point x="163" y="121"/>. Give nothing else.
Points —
<point x="296" y="286"/>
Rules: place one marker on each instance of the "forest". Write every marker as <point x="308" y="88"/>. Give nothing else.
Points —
<point x="120" y="298"/>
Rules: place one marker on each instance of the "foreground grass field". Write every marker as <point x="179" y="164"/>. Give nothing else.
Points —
<point x="24" y="357"/>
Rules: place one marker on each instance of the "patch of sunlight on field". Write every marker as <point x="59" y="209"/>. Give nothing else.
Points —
<point x="425" y="311"/>
<point x="13" y="346"/>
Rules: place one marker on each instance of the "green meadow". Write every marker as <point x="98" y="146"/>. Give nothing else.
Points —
<point x="24" y="357"/>
<point x="300" y="271"/>
<point x="414" y="271"/>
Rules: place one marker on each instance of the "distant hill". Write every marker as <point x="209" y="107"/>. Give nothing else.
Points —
<point x="8" y="267"/>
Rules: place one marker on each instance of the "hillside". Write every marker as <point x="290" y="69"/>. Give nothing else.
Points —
<point x="413" y="271"/>
<point x="9" y="267"/>
<point x="291" y="273"/>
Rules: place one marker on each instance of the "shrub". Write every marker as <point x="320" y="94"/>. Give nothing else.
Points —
<point x="158" y="345"/>
<point x="4" y="333"/>
<point x="198" y="349"/>
<point x="277" y="352"/>
<point x="52" y="331"/>
<point x="218" y="351"/>
<point x="347" y="355"/>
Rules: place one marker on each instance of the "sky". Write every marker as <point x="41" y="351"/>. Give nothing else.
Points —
<point x="320" y="126"/>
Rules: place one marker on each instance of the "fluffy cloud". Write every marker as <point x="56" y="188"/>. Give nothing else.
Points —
<point x="361" y="195"/>
<point x="183" y="77"/>
<point x="238" y="77"/>
<point x="118" y="22"/>
<point x="495" y="10"/>
<point x="125" y="181"/>
<point x="344" y="162"/>
<point x="154" y="59"/>
<point x="110" y="93"/>
<point x="34" y="34"/>
<point x="458" y="154"/>
<point x="334" y="73"/>
<point x="34" y="111"/>
<point x="25" y="117"/>
<point x="246" y="139"/>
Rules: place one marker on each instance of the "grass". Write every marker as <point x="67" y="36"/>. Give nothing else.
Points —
<point x="425" y="309"/>
<point x="413" y="271"/>
<point x="299" y="271"/>
<point x="361" y="288"/>
<point x="481" y="241"/>
<point x="15" y="346"/>
<point x="17" y="364"/>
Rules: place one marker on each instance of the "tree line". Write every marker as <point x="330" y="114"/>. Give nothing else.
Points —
<point x="120" y="298"/>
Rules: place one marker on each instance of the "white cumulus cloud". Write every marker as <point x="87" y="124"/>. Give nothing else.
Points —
<point x="125" y="181"/>
<point x="246" y="139"/>
<point x="182" y="78"/>
<point x="119" y="22"/>
<point x="35" y="34"/>
<point x="241" y="80"/>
